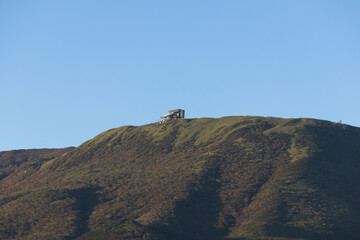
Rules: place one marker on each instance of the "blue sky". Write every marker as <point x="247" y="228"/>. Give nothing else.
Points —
<point x="72" y="69"/>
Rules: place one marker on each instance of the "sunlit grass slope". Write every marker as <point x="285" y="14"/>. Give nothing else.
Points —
<point x="226" y="178"/>
<point x="11" y="160"/>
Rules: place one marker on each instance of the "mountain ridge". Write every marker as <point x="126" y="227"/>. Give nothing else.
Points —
<point x="11" y="160"/>
<point x="222" y="178"/>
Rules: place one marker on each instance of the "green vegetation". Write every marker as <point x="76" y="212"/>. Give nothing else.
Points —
<point x="230" y="178"/>
<point x="11" y="160"/>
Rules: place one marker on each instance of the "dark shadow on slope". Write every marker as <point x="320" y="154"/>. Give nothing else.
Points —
<point x="336" y="170"/>
<point x="290" y="232"/>
<point x="195" y="218"/>
<point x="4" y="175"/>
<point x="86" y="200"/>
<point x="123" y="230"/>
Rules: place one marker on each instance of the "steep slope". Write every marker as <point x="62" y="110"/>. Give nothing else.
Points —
<point x="227" y="178"/>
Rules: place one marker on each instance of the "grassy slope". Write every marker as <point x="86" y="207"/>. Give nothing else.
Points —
<point x="226" y="178"/>
<point x="11" y="160"/>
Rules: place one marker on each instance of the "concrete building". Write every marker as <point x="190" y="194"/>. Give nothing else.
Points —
<point x="175" y="113"/>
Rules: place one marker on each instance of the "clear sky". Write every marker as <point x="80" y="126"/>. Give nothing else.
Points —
<point x="72" y="69"/>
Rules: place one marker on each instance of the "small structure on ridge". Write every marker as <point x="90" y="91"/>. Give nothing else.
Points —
<point x="176" y="113"/>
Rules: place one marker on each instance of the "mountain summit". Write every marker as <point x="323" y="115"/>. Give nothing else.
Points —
<point x="192" y="179"/>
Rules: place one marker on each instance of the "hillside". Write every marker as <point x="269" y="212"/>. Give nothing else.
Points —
<point x="229" y="178"/>
<point x="11" y="160"/>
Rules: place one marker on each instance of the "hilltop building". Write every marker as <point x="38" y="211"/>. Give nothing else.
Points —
<point x="176" y="113"/>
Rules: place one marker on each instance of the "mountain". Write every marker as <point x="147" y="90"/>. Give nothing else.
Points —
<point x="193" y="179"/>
